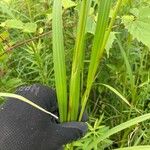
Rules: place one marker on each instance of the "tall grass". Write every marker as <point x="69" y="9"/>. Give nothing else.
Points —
<point x="78" y="58"/>
<point x="59" y="60"/>
<point x="100" y="39"/>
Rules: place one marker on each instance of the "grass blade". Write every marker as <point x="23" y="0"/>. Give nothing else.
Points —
<point x="129" y="70"/>
<point x="23" y="99"/>
<point x="145" y="147"/>
<point x="117" y="93"/>
<point x="120" y="95"/>
<point x="97" y="51"/>
<point x="114" y="15"/>
<point x="59" y="59"/>
<point x="121" y="127"/>
<point x="78" y="62"/>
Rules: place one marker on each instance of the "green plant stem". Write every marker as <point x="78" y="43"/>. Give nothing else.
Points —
<point x="97" y="51"/>
<point x="114" y="15"/>
<point x="59" y="60"/>
<point x="91" y="76"/>
<point x="78" y="63"/>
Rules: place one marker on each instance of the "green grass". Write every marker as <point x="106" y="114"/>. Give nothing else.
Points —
<point x="78" y="62"/>
<point x="113" y="86"/>
<point x="97" y="49"/>
<point x="59" y="60"/>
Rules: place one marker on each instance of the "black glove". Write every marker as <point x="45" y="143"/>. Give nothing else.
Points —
<point x="23" y="127"/>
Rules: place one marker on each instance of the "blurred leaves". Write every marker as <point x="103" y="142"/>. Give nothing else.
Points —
<point x="4" y="36"/>
<point x="138" y="24"/>
<point x="68" y="4"/>
<point x="5" y="9"/>
<point x="12" y="23"/>
<point x="110" y="42"/>
<point x="18" y="24"/>
<point x="30" y="27"/>
<point x="91" y="25"/>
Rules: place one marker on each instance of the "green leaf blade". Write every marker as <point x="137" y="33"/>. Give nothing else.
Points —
<point x="78" y="62"/>
<point x="117" y="93"/>
<point x="59" y="60"/>
<point x="121" y="127"/>
<point x="144" y="147"/>
<point x="97" y="49"/>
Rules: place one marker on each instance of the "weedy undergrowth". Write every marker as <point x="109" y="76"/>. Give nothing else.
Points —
<point x="117" y="86"/>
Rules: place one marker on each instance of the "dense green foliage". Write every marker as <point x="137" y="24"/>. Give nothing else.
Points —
<point x="121" y="90"/>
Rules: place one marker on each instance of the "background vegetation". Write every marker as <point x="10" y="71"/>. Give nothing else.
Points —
<point x="121" y="90"/>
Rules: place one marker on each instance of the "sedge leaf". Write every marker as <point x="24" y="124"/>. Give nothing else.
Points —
<point x="97" y="49"/>
<point x="59" y="59"/>
<point x="78" y="62"/>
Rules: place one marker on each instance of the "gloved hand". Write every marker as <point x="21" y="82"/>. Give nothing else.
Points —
<point x="23" y="127"/>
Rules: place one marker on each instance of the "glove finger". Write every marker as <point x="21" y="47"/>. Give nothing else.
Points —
<point x="68" y="132"/>
<point x="81" y="126"/>
<point x="84" y="116"/>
